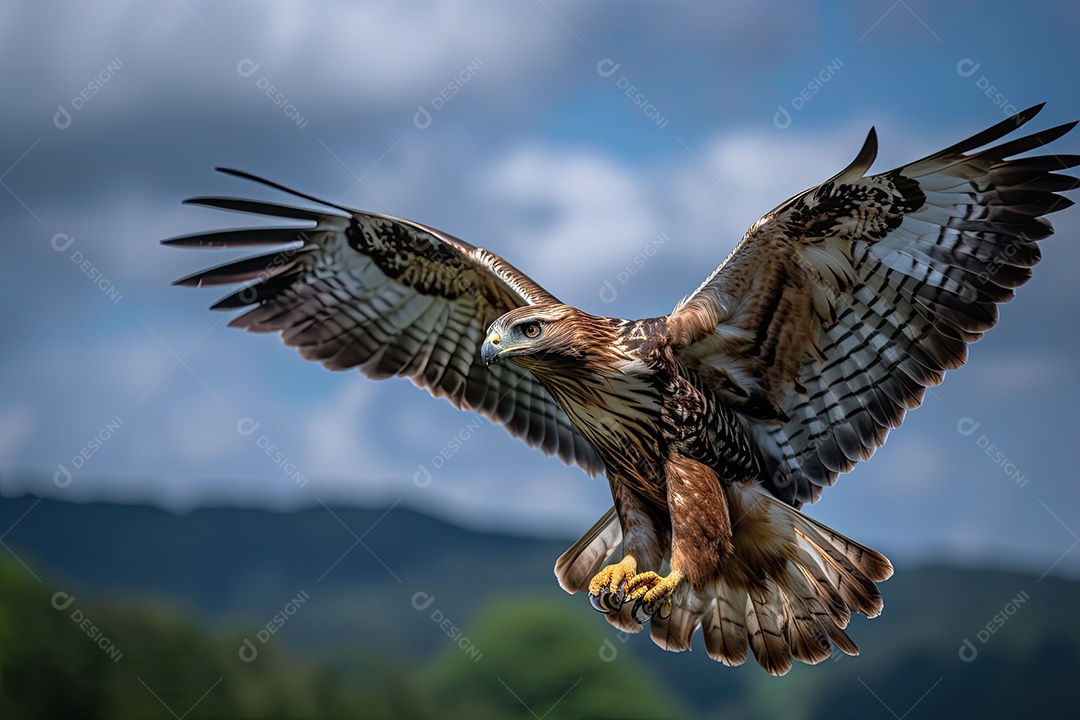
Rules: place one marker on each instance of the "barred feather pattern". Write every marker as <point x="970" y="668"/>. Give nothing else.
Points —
<point x="785" y="594"/>
<point x="393" y="298"/>
<point x="902" y="270"/>
<point x="826" y="324"/>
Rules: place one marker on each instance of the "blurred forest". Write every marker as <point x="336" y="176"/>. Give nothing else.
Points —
<point x="53" y="669"/>
<point x="129" y="612"/>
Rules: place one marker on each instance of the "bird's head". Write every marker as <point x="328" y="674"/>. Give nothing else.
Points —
<point x="536" y="336"/>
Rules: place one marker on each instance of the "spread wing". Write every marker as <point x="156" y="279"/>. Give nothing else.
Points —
<point x="840" y="307"/>
<point x="390" y="297"/>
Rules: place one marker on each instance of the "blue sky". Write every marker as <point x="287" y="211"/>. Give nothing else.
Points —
<point x="531" y="143"/>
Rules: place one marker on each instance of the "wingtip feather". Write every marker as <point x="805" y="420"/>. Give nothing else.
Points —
<point x="863" y="160"/>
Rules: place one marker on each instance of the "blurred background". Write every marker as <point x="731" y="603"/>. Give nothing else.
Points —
<point x="196" y="522"/>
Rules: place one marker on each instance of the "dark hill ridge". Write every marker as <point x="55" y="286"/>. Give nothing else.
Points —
<point x="209" y="556"/>
<point x="973" y="641"/>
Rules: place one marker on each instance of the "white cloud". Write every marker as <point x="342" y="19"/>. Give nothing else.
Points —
<point x="16" y="428"/>
<point x="367" y="56"/>
<point x="334" y="432"/>
<point x="576" y="218"/>
<point x="591" y="209"/>
<point x="495" y="168"/>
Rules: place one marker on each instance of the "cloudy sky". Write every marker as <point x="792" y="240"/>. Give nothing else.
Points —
<point x="614" y="151"/>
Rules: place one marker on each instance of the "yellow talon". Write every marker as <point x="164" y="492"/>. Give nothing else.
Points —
<point x="608" y="587"/>
<point x="652" y="593"/>
<point x="611" y="576"/>
<point x="649" y="587"/>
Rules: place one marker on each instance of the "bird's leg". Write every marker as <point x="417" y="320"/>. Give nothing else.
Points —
<point x="643" y="551"/>
<point x="700" y="537"/>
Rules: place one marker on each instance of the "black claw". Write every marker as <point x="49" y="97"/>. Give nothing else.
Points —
<point x="613" y="601"/>
<point x="643" y="612"/>
<point x="607" y="601"/>
<point x="618" y="597"/>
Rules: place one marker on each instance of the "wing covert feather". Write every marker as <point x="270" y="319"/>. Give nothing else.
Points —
<point x="353" y="289"/>
<point x="840" y="307"/>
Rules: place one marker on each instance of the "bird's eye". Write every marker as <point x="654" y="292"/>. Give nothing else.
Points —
<point x="531" y="330"/>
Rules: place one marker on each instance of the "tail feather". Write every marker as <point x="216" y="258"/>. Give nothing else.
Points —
<point x="624" y="621"/>
<point x="841" y="640"/>
<point x="815" y="576"/>
<point x="766" y="623"/>
<point x="806" y="580"/>
<point x="724" y="625"/>
<point x="852" y="568"/>
<point x="807" y="633"/>
<point x="676" y="632"/>
<point x="813" y="579"/>
<point x="857" y="591"/>
<point x="872" y="564"/>
<point x="786" y="593"/>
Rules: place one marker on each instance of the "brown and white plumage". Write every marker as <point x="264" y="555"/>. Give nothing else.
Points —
<point x="890" y="277"/>
<point x="391" y="297"/>
<point x="714" y="424"/>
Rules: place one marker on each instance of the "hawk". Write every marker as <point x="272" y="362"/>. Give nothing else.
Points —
<point x="713" y="424"/>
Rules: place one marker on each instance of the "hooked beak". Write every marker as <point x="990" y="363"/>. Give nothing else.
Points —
<point x="491" y="350"/>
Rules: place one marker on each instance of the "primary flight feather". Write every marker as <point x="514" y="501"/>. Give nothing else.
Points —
<point x="713" y="424"/>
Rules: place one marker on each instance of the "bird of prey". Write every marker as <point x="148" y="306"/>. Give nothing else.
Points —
<point x="713" y="424"/>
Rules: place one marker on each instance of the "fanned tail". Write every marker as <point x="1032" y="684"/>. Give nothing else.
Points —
<point x="786" y="592"/>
